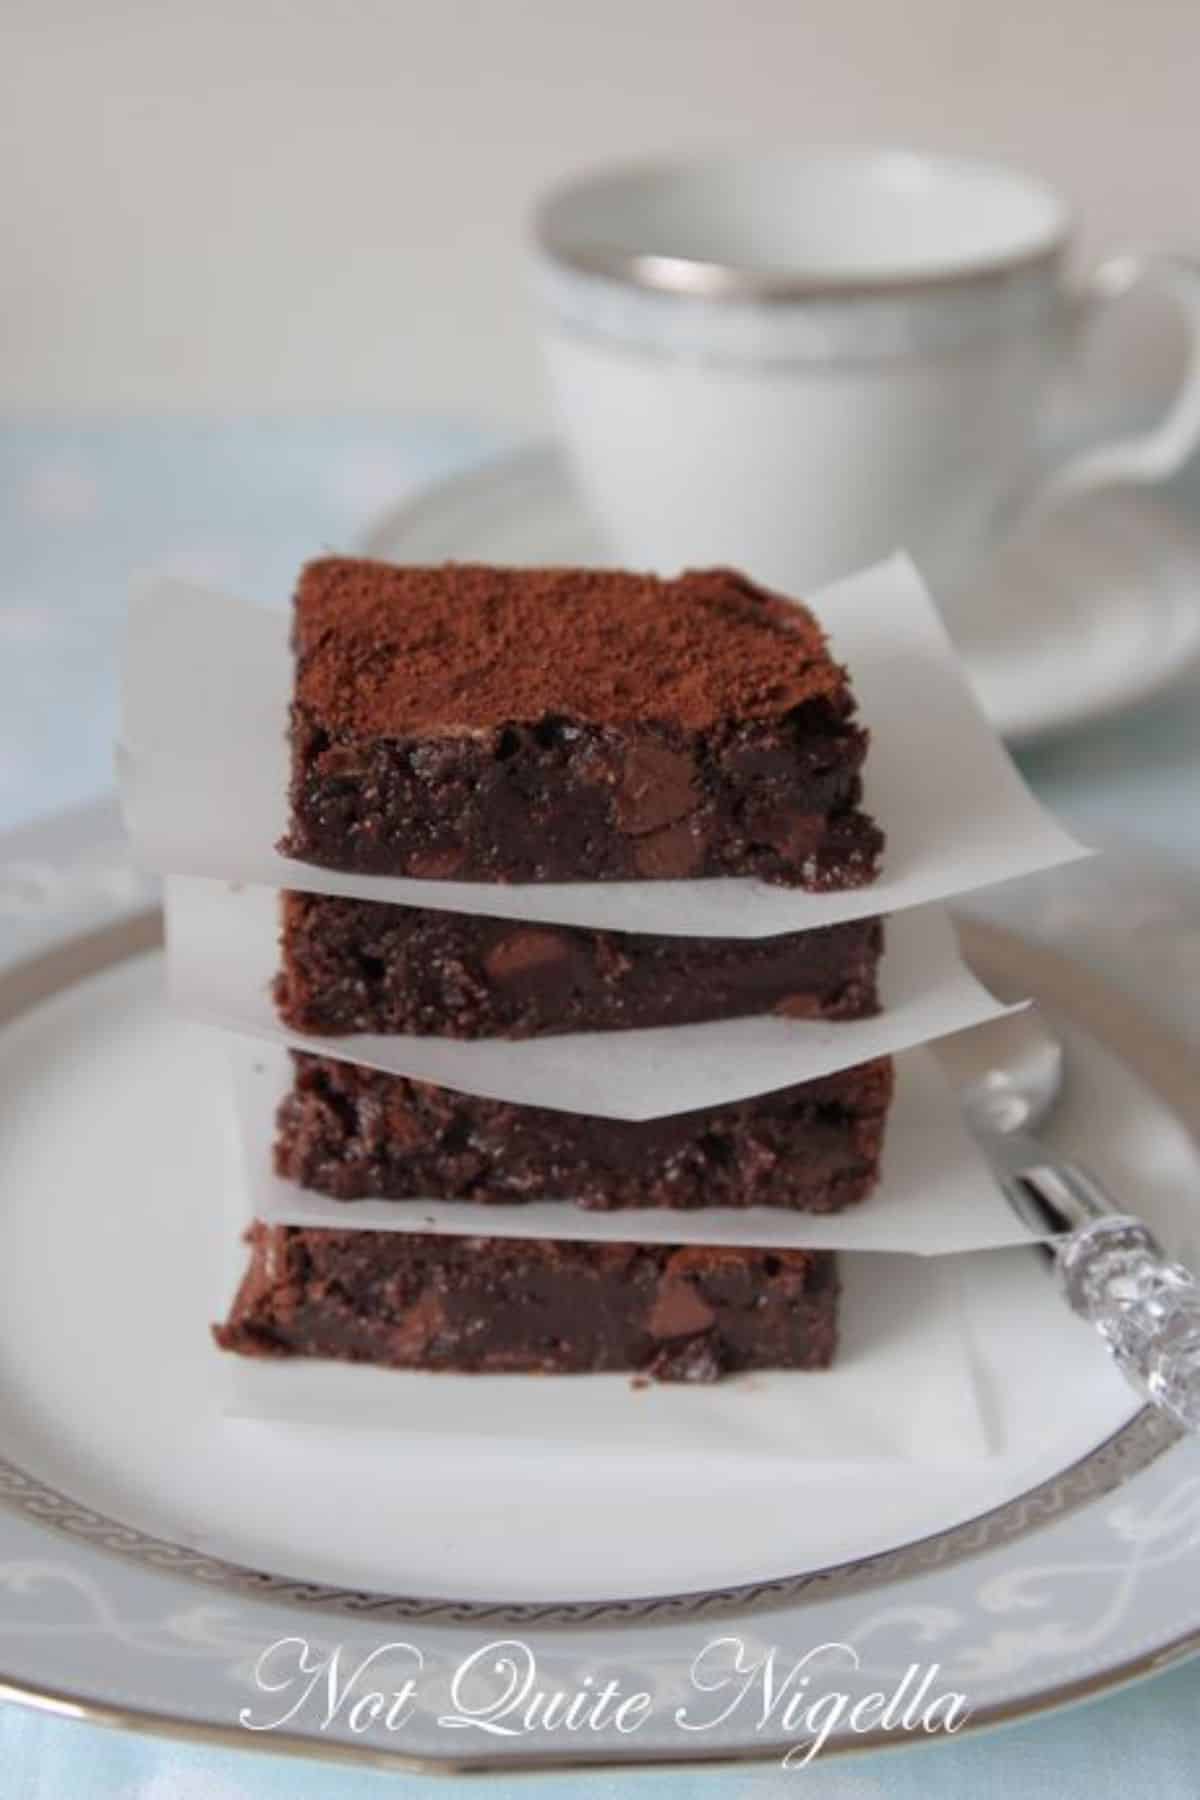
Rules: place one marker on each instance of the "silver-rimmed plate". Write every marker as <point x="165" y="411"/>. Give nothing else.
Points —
<point x="151" y="1551"/>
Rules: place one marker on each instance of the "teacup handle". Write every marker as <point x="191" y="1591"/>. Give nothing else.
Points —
<point x="1150" y="456"/>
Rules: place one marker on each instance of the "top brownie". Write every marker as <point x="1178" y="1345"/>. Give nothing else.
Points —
<point x="486" y="724"/>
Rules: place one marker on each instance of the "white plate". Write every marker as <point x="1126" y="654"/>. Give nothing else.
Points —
<point x="1097" y="613"/>
<point x="151" y="1548"/>
<point x="136" y="1253"/>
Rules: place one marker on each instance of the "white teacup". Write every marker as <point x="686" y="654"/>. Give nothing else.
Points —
<point x="797" y="362"/>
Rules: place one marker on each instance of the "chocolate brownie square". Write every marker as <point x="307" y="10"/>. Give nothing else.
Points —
<point x="359" y="965"/>
<point x="513" y="1305"/>
<point x="473" y="723"/>
<point x="354" y="1134"/>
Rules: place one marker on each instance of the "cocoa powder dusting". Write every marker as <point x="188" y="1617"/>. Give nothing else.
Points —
<point x="384" y="651"/>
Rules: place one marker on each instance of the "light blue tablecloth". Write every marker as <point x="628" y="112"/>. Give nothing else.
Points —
<point x="83" y="508"/>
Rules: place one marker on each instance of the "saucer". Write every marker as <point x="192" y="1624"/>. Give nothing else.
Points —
<point x="1094" y="614"/>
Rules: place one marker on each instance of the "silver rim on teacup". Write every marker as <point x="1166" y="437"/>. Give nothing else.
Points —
<point x="573" y="227"/>
<point x="692" y="257"/>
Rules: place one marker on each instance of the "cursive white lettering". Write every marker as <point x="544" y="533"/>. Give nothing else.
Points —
<point x="309" y="1672"/>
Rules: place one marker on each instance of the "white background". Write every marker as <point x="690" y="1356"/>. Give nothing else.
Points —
<point x="309" y="204"/>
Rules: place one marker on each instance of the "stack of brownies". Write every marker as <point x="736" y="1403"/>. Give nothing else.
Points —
<point x="479" y="725"/>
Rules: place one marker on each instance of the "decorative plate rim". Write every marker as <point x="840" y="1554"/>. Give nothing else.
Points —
<point x="337" y="1750"/>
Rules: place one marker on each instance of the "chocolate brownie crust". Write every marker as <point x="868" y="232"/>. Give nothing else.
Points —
<point x="504" y="1306"/>
<point x="354" y="1133"/>
<point x="467" y="723"/>
<point x="360" y="966"/>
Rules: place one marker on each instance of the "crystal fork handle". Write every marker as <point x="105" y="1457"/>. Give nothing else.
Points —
<point x="1145" y="1307"/>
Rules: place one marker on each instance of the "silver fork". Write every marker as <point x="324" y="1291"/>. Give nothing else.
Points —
<point x="1110" y="1266"/>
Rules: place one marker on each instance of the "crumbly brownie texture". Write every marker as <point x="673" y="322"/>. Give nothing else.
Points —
<point x="516" y="1305"/>
<point x="485" y="724"/>
<point x="357" y="965"/>
<point x="354" y="1134"/>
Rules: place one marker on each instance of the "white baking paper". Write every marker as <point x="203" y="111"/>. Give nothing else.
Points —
<point x="903" y="1387"/>
<point x="204" y="772"/>
<point x="222" y="952"/>
<point x="935" y="1196"/>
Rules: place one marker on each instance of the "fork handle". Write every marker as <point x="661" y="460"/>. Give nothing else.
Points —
<point x="1146" y="1308"/>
